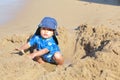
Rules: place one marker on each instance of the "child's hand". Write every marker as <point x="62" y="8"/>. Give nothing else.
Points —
<point x="21" y="51"/>
<point x="31" y="56"/>
<point x="18" y="52"/>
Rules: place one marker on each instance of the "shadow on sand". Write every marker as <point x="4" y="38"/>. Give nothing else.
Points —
<point x="108" y="2"/>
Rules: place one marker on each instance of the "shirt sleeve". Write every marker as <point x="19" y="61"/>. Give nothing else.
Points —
<point x="52" y="47"/>
<point x="33" y="40"/>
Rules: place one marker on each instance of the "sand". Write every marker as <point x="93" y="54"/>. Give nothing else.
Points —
<point x="89" y="38"/>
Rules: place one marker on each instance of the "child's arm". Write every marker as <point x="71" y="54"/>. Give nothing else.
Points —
<point x="39" y="53"/>
<point x="23" y="47"/>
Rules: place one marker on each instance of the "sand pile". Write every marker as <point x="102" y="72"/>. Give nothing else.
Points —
<point x="91" y="53"/>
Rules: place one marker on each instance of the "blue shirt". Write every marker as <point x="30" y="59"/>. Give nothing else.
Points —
<point x="42" y="43"/>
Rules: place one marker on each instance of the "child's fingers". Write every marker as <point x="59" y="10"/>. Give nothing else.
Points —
<point x="17" y="49"/>
<point x="31" y="56"/>
<point x="20" y="52"/>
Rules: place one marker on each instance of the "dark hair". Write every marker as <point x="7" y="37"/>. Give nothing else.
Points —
<point x="37" y="31"/>
<point x="55" y="39"/>
<point x="54" y="36"/>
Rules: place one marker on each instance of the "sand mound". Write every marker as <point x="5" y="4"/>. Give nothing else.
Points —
<point x="91" y="53"/>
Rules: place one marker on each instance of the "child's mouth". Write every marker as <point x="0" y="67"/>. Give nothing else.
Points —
<point x="45" y="35"/>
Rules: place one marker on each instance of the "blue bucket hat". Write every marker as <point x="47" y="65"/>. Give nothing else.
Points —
<point x="48" y="22"/>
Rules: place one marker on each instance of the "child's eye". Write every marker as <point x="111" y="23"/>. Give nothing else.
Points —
<point x="50" y="29"/>
<point x="47" y="29"/>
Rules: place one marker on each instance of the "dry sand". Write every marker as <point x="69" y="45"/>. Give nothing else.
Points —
<point x="89" y="38"/>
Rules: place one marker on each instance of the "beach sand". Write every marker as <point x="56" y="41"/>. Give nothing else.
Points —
<point x="89" y="38"/>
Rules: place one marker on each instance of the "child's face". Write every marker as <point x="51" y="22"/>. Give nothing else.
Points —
<point x="46" y="32"/>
